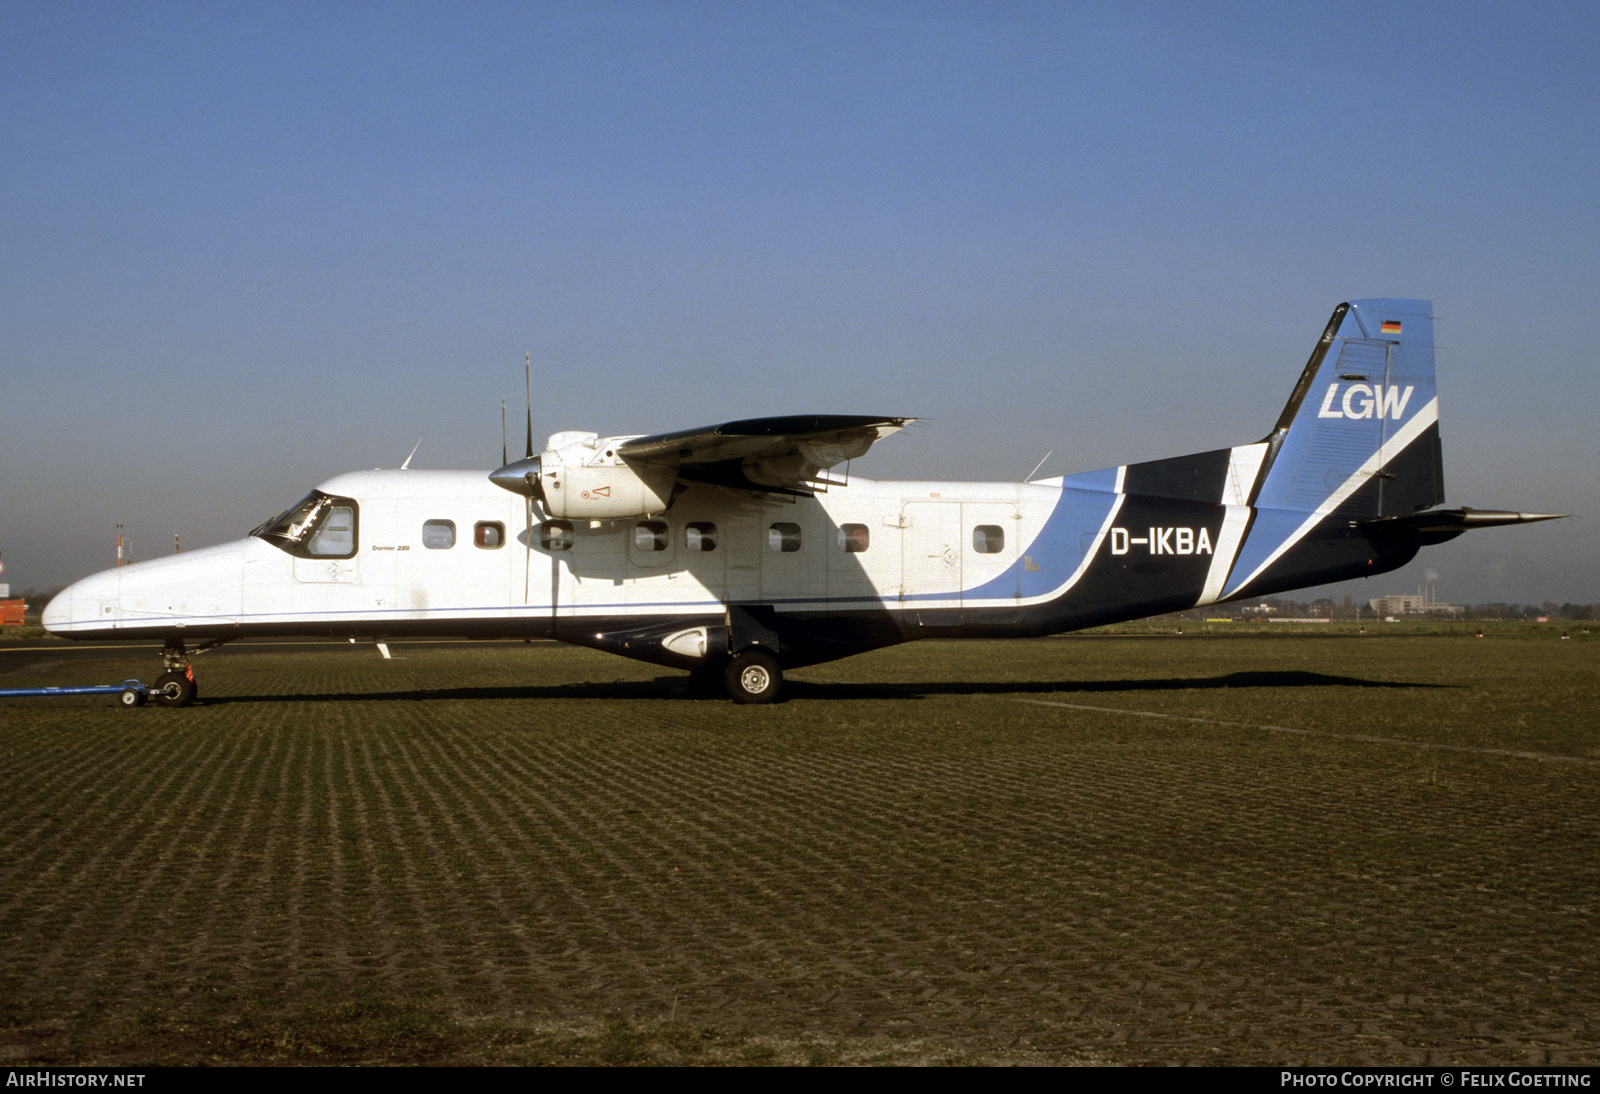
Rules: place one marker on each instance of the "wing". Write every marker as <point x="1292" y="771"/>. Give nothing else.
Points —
<point x="780" y="455"/>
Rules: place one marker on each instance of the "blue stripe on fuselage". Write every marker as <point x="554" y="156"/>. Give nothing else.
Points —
<point x="1058" y="550"/>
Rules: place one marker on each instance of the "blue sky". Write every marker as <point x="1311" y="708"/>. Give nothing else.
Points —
<point x="246" y="246"/>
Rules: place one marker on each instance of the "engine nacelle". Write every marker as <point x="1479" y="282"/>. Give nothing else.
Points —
<point x="581" y="477"/>
<point x="609" y="491"/>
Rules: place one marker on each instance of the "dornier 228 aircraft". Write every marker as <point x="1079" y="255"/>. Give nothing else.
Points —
<point x="732" y="552"/>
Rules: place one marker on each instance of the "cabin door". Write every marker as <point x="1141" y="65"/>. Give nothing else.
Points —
<point x="962" y="556"/>
<point x="930" y="553"/>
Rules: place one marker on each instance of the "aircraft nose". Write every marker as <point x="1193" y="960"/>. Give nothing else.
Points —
<point x="57" y="611"/>
<point x="77" y="606"/>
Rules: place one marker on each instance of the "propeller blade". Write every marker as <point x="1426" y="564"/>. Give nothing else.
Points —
<point x="522" y="476"/>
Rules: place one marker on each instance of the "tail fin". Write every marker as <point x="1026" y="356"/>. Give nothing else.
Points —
<point x="1360" y="432"/>
<point x="1359" y="438"/>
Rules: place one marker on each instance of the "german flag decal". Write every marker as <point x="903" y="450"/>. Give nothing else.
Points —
<point x="1390" y="326"/>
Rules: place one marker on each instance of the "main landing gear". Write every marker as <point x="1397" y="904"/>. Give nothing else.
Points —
<point x="753" y="676"/>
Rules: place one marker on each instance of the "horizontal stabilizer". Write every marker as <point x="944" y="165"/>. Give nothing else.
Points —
<point x="1436" y="527"/>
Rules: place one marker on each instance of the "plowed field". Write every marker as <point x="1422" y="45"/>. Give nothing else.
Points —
<point x="978" y="853"/>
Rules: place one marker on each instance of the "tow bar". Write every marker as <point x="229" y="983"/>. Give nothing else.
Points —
<point x="131" y="693"/>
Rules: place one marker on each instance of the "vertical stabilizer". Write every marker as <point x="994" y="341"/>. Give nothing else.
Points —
<point x="1361" y="430"/>
<point x="1359" y="437"/>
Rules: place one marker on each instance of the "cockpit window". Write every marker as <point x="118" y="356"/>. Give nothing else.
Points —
<point x="318" y="526"/>
<point x="336" y="538"/>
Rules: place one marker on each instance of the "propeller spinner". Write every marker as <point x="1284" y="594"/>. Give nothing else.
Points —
<point x="521" y="477"/>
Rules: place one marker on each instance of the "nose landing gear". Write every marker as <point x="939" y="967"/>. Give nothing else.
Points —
<point x="176" y="686"/>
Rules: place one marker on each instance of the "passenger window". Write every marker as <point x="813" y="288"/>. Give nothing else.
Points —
<point x="784" y="536"/>
<point x="853" y="538"/>
<point x="337" y="536"/>
<point x="438" y="535"/>
<point x="489" y="534"/>
<point x="556" y="535"/>
<point x="650" y="535"/>
<point x="700" y="535"/>
<point x="988" y="539"/>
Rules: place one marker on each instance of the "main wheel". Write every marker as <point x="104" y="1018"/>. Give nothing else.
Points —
<point x="753" y="677"/>
<point x="173" y="689"/>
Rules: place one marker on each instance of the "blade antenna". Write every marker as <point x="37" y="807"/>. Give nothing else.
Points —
<point x="503" y="460"/>
<point x="527" y="558"/>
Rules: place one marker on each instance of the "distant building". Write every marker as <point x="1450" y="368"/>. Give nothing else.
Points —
<point x="1397" y="604"/>
<point x="1411" y="604"/>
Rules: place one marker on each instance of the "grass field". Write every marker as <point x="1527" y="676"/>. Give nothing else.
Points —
<point x="969" y="853"/>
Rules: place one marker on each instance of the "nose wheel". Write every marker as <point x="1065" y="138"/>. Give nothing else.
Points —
<point x="753" y="676"/>
<point x="174" y="689"/>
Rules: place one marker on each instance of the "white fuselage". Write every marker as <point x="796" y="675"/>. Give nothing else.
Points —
<point x="446" y="551"/>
